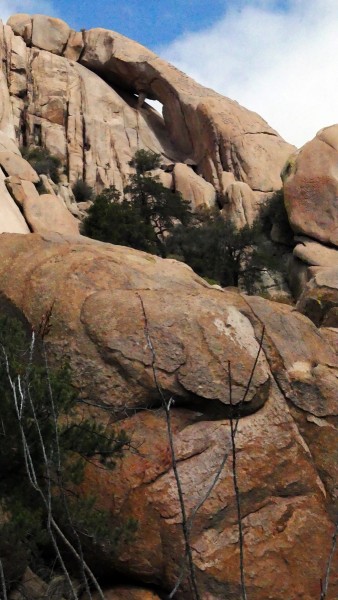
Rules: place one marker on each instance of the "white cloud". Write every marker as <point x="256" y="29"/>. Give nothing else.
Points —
<point x="11" y="7"/>
<point x="281" y="64"/>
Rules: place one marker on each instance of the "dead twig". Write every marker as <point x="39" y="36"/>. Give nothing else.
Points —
<point x="236" y="488"/>
<point x="325" y="584"/>
<point x="166" y="406"/>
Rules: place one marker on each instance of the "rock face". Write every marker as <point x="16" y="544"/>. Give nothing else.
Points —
<point x="49" y="213"/>
<point x="82" y="95"/>
<point x="118" y="315"/>
<point x="319" y="299"/>
<point x="239" y="204"/>
<point x="286" y="441"/>
<point x="310" y="180"/>
<point x="311" y="188"/>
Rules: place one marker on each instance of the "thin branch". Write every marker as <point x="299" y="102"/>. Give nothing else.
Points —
<point x="248" y="385"/>
<point x="59" y="478"/>
<point x="3" y="581"/>
<point x="325" y="583"/>
<point x="236" y="488"/>
<point x="166" y="405"/>
<point x="221" y="467"/>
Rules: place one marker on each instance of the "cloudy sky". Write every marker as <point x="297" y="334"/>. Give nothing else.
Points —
<point x="276" y="57"/>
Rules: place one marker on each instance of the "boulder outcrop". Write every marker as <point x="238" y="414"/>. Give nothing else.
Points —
<point x="311" y="188"/>
<point x="49" y="213"/>
<point x="285" y="439"/>
<point x="193" y="187"/>
<point x="11" y="219"/>
<point x="319" y="299"/>
<point x="136" y="328"/>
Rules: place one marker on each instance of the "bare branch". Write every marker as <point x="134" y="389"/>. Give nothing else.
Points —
<point x="325" y="583"/>
<point x="236" y="488"/>
<point x="166" y="405"/>
<point x="3" y="581"/>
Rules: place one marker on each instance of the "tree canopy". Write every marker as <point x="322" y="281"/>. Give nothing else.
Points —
<point x="144" y="215"/>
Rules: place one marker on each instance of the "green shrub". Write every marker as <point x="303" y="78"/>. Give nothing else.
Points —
<point x="44" y="447"/>
<point x="273" y="212"/>
<point x="82" y="191"/>
<point x="147" y="212"/>
<point x="43" y="162"/>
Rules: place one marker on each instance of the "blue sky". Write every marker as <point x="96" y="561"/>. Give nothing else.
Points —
<point x="154" y="23"/>
<point x="276" y="57"/>
<point x="150" y="22"/>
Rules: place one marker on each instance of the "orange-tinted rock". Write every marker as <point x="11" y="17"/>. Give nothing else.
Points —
<point x="240" y="204"/>
<point x="315" y="254"/>
<point x="75" y="45"/>
<point x="105" y="128"/>
<point x="301" y="360"/>
<point x="311" y="187"/>
<point x="216" y="133"/>
<point x="21" y="190"/>
<point x="21" y="24"/>
<point x="98" y="322"/>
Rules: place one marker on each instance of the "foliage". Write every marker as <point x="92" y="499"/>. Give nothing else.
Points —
<point x="158" y="206"/>
<point x="147" y="212"/>
<point x="82" y="191"/>
<point x="110" y="220"/>
<point x="145" y="161"/>
<point x="273" y="212"/>
<point x="44" y="447"/>
<point x="43" y="162"/>
<point x="41" y="188"/>
<point x="216" y="250"/>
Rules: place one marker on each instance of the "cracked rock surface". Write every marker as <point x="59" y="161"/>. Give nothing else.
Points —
<point x="286" y="441"/>
<point x="83" y="96"/>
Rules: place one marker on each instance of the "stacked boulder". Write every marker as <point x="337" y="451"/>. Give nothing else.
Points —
<point x="310" y="179"/>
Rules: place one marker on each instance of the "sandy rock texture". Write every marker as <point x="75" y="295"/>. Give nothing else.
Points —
<point x="286" y="440"/>
<point x="49" y="213"/>
<point x="311" y="188"/>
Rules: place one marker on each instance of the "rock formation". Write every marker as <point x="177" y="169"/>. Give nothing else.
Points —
<point x="285" y="444"/>
<point x="83" y="97"/>
<point x="311" y="191"/>
<point x="311" y="187"/>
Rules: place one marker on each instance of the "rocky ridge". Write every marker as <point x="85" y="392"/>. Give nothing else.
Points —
<point x="83" y="96"/>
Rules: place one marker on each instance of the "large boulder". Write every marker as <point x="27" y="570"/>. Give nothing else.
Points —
<point x="311" y="187"/>
<point x="315" y="254"/>
<point x="98" y="294"/>
<point x="11" y="219"/>
<point x="194" y="188"/>
<point x="22" y="191"/>
<point x="50" y="34"/>
<point x="49" y="213"/>
<point x="239" y="204"/>
<point x="14" y="164"/>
